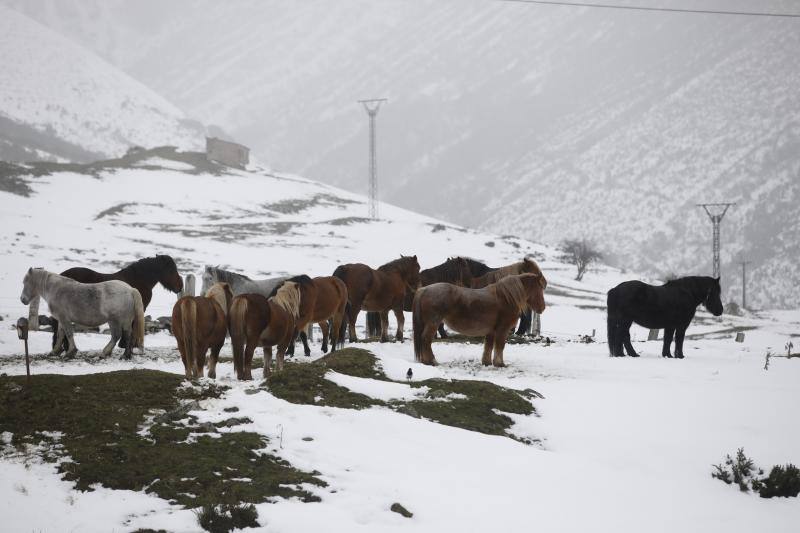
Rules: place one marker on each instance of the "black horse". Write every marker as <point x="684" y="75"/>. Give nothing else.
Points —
<point x="670" y="307"/>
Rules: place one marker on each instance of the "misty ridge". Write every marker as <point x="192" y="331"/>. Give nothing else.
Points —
<point x="543" y="122"/>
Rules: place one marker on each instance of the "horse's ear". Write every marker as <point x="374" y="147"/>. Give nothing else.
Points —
<point x="30" y="270"/>
<point x="717" y="280"/>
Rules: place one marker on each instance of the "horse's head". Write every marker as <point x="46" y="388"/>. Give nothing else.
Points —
<point x="713" y="301"/>
<point x="410" y="271"/>
<point x="168" y="274"/>
<point x="209" y="278"/>
<point x="464" y="272"/>
<point x="529" y="266"/>
<point x="30" y="288"/>
<point x="534" y="289"/>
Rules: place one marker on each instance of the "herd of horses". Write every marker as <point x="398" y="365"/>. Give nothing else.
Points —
<point x="463" y="294"/>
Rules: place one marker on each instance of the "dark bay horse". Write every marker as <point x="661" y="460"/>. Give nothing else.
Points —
<point x="142" y="275"/>
<point x="670" y="307"/>
<point x="258" y="321"/>
<point x="379" y="290"/>
<point x="200" y="323"/>
<point x="455" y="270"/>
<point x="321" y="298"/>
<point x="490" y="311"/>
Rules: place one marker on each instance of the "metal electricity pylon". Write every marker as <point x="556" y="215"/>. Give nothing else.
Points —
<point x="372" y="106"/>
<point x="715" y="212"/>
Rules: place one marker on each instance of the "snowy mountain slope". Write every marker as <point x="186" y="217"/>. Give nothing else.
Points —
<point x="59" y="100"/>
<point x="542" y="110"/>
<point x="624" y="442"/>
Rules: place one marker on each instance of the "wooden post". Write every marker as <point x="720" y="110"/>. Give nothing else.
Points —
<point x="188" y="286"/>
<point x="27" y="362"/>
<point x="536" y="324"/>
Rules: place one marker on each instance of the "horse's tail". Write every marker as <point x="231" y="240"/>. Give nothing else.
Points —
<point x="188" y="325"/>
<point x="611" y="321"/>
<point x="343" y="326"/>
<point x="373" y="324"/>
<point x="237" y="327"/>
<point x="137" y="327"/>
<point x="418" y="325"/>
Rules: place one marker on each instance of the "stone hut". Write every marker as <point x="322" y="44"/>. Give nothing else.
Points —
<point x="228" y="153"/>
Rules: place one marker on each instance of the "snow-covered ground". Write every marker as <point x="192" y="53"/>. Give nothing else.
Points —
<point x="623" y="444"/>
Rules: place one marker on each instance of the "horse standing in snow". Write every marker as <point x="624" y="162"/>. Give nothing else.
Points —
<point x="255" y="320"/>
<point x="490" y="311"/>
<point x="200" y="323"/>
<point x="670" y="307"/>
<point x="321" y="298"/>
<point x="380" y="290"/>
<point x="88" y="304"/>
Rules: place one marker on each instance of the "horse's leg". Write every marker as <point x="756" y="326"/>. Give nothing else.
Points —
<point x="626" y="340"/>
<point x="355" y="308"/>
<point x="58" y="345"/>
<point x="116" y="334"/>
<point x="426" y="355"/>
<point x="668" y="333"/>
<point x="200" y="360"/>
<point x="499" y="345"/>
<point x="290" y="349"/>
<point x="525" y="319"/>
<point x="279" y="357"/>
<point x="488" y="344"/>
<point x="69" y="331"/>
<point x="304" y="338"/>
<point x="247" y="359"/>
<point x="212" y="362"/>
<point x="401" y="322"/>
<point x="680" y="332"/>
<point x="442" y="331"/>
<point x="184" y="357"/>
<point x="323" y="327"/>
<point x="384" y="326"/>
<point x="267" y="360"/>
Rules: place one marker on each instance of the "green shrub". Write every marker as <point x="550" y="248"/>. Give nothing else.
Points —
<point x="781" y="481"/>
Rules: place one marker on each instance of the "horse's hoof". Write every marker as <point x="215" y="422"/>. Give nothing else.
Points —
<point x="499" y="365"/>
<point x="634" y="355"/>
<point x="71" y="354"/>
<point x="667" y="355"/>
<point x="678" y="356"/>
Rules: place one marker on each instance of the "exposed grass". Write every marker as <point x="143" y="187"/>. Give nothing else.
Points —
<point x="356" y="362"/>
<point x="99" y="416"/>
<point x="226" y="518"/>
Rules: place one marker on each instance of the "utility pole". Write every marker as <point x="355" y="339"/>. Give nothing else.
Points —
<point x="371" y="106"/>
<point x="715" y="212"/>
<point x="744" y="283"/>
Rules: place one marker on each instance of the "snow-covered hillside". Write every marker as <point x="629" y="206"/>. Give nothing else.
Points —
<point x="615" y="445"/>
<point x="541" y="121"/>
<point x="60" y="101"/>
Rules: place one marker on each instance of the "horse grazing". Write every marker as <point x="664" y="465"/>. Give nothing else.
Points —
<point x="321" y="298"/>
<point x="239" y="283"/>
<point x="379" y="290"/>
<point x="670" y="307"/>
<point x="484" y="275"/>
<point x="490" y="311"/>
<point x="88" y="304"/>
<point x="200" y="323"/>
<point x="255" y="320"/>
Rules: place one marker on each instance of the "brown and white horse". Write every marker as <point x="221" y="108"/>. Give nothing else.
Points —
<point x="200" y="323"/>
<point x="490" y="311"/>
<point x="258" y="321"/>
<point x="379" y="290"/>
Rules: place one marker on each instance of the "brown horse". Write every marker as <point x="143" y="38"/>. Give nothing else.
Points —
<point x="321" y="298"/>
<point x="255" y="320"/>
<point x="379" y="290"/>
<point x="526" y="266"/>
<point x="199" y="323"/>
<point x="491" y="311"/>
<point x="142" y="275"/>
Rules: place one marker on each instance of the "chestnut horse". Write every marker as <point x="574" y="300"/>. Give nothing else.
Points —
<point x="199" y="323"/>
<point x="321" y="298"/>
<point x="491" y="311"/>
<point x="379" y="290"/>
<point x="255" y="320"/>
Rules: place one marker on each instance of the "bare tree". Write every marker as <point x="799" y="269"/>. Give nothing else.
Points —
<point x="581" y="254"/>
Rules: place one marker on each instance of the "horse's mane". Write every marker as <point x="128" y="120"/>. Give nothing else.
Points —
<point x="400" y="264"/>
<point x="150" y="266"/>
<point x="288" y="298"/>
<point x="477" y="268"/>
<point x="226" y="276"/>
<point x="302" y="281"/>
<point x="220" y="293"/>
<point x="449" y="271"/>
<point x="511" y="289"/>
<point x="693" y="283"/>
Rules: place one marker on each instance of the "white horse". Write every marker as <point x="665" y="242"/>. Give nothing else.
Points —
<point x="88" y="304"/>
<point x="239" y="283"/>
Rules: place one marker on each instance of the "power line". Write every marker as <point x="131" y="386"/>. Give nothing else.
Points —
<point x="654" y="8"/>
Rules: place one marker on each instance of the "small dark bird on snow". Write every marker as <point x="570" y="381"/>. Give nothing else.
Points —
<point x="409" y="374"/>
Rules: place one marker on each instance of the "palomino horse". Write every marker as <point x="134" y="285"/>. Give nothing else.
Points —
<point x="142" y="275"/>
<point x="321" y="298"/>
<point x="490" y="311"/>
<point x="88" y="304"/>
<point x="670" y="306"/>
<point x="239" y="283"/>
<point x="255" y="320"/>
<point x="200" y="323"/>
<point x="484" y="275"/>
<point x="379" y="290"/>
<point x="455" y="270"/>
